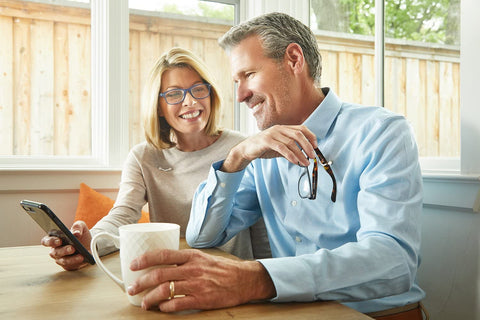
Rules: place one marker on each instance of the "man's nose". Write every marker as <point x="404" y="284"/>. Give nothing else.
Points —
<point x="242" y="92"/>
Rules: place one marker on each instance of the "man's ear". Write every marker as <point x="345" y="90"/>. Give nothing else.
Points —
<point x="294" y="57"/>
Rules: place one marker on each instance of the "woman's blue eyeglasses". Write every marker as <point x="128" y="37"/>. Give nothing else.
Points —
<point x="175" y="96"/>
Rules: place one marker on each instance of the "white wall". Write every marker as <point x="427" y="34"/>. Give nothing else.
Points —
<point x="58" y="190"/>
<point x="18" y="229"/>
<point x="449" y="272"/>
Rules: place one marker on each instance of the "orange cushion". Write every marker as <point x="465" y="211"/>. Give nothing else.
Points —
<point x="93" y="206"/>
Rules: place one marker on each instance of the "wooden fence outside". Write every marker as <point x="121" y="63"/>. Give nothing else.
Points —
<point x="45" y="97"/>
<point x="421" y="82"/>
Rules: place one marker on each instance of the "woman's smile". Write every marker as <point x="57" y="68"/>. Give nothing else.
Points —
<point x="190" y="115"/>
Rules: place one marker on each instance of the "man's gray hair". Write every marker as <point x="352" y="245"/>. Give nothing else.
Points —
<point x="276" y="31"/>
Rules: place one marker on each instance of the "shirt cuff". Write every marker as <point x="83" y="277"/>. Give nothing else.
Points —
<point x="290" y="276"/>
<point x="227" y="182"/>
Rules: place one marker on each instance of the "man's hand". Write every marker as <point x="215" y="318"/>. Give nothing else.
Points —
<point x="277" y="141"/>
<point x="201" y="281"/>
<point x="64" y="255"/>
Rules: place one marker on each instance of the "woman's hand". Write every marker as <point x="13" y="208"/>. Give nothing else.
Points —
<point x="65" y="255"/>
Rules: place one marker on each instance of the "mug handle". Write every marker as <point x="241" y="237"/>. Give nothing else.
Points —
<point x="93" y="248"/>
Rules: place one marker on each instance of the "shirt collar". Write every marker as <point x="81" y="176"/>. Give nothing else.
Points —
<point x="322" y="118"/>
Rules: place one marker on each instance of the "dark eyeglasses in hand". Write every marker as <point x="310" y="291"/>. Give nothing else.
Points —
<point x="307" y="185"/>
<point x="175" y="96"/>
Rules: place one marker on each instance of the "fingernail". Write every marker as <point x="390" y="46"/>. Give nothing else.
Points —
<point x="134" y="265"/>
<point x="58" y="242"/>
<point x="130" y="290"/>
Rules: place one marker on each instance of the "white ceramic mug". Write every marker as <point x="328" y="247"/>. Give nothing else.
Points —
<point x="133" y="241"/>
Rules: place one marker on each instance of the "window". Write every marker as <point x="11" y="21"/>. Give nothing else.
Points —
<point x="421" y="64"/>
<point x="73" y="77"/>
<point x="45" y="100"/>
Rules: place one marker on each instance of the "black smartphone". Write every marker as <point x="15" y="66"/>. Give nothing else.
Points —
<point x="53" y="226"/>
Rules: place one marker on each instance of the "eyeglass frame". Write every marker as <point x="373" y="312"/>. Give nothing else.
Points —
<point x="314" y="182"/>
<point x="189" y="90"/>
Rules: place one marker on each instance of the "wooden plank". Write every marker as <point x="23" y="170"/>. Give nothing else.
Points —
<point x="79" y="90"/>
<point x="63" y="108"/>
<point x="150" y="45"/>
<point x="44" y="11"/>
<point x="6" y="86"/>
<point x="148" y="48"/>
<point x="356" y="63"/>
<point x="198" y="47"/>
<point x="389" y="91"/>
<point x="136" y="132"/>
<point x="395" y="82"/>
<point x="219" y="65"/>
<point x="368" y="80"/>
<point x="415" y="103"/>
<point x="150" y="51"/>
<point x="42" y="107"/>
<point x="22" y="87"/>
<point x="455" y="148"/>
<point x="330" y="70"/>
<point x="182" y="41"/>
<point x="165" y="43"/>
<point x="345" y="87"/>
<point x="421" y="111"/>
<point x="189" y="28"/>
<point x="432" y="110"/>
<point x="350" y="77"/>
<point x="412" y="94"/>
<point x="446" y="124"/>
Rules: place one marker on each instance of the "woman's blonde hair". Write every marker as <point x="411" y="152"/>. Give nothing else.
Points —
<point x="157" y="131"/>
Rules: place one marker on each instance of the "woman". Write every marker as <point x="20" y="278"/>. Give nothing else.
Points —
<point x="182" y="106"/>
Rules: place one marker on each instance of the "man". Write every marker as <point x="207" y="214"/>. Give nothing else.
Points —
<point x="338" y="185"/>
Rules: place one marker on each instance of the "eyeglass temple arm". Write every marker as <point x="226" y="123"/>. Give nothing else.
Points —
<point x="326" y="166"/>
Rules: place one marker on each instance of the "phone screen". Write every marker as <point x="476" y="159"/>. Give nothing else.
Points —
<point x="53" y="226"/>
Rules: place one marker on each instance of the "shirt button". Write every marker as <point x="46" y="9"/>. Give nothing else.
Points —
<point x="222" y="184"/>
<point x="298" y="239"/>
<point x="293" y="203"/>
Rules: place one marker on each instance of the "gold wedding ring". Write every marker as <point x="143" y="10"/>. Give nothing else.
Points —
<point x="172" y="290"/>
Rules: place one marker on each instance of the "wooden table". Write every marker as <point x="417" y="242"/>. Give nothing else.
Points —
<point x="32" y="286"/>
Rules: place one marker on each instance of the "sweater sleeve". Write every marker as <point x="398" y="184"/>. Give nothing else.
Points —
<point x="128" y="205"/>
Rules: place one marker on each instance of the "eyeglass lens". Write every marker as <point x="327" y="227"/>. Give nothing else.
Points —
<point x="305" y="184"/>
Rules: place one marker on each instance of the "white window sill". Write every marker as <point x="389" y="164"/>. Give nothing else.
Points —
<point x="21" y="180"/>
<point x="450" y="189"/>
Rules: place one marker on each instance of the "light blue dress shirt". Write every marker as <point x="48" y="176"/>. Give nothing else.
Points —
<point x="362" y="250"/>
